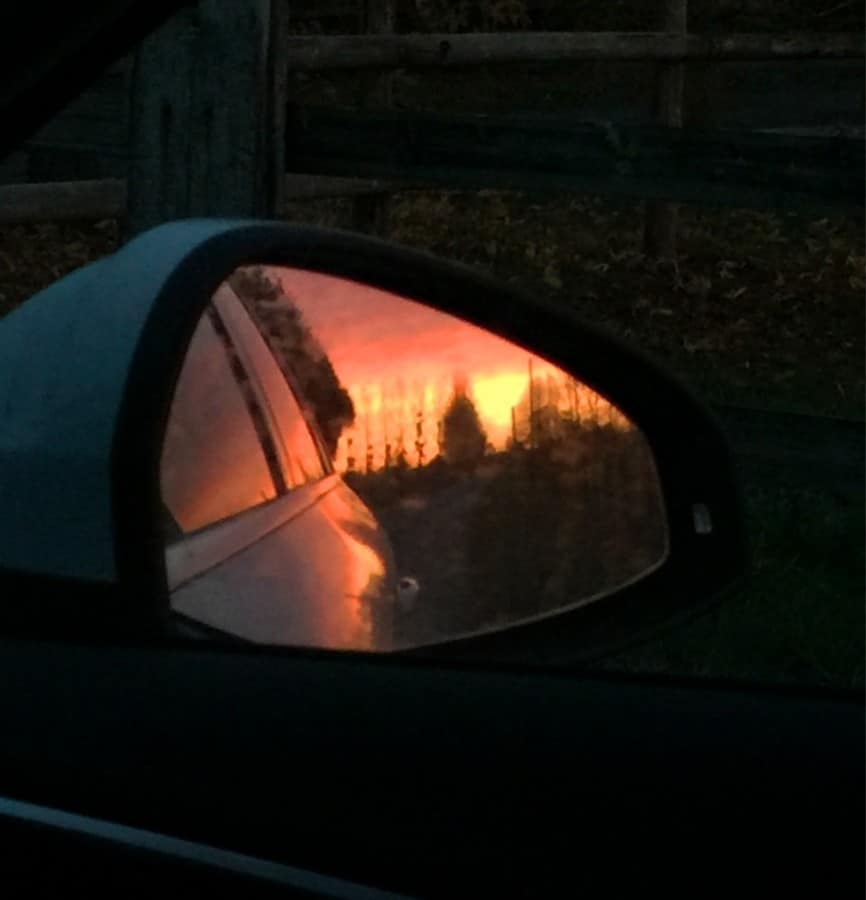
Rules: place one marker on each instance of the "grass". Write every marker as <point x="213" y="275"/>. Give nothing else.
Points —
<point x="799" y="617"/>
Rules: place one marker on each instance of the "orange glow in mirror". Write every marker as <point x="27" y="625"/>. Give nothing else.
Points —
<point x="402" y="364"/>
<point x="430" y="480"/>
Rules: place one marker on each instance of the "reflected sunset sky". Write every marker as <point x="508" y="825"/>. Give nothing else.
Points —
<point x="400" y="362"/>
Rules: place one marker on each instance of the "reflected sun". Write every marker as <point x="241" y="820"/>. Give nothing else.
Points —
<point x="495" y="395"/>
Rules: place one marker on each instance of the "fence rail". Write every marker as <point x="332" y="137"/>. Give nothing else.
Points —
<point x="329" y="149"/>
<point x="105" y="198"/>
<point x="727" y="168"/>
<point x="62" y="201"/>
<point x="670" y="50"/>
<point x="382" y="51"/>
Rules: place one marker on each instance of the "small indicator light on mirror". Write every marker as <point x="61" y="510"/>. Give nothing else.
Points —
<point x="702" y="518"/>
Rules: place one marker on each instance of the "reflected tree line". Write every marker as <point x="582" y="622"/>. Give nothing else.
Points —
<point x="460" y="437"/>
<point x="299" y="354"/>
<point x="550" y="401"/>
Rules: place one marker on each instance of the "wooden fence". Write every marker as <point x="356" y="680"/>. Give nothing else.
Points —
<point x="699" y="169"/>
<point x="324" y="151"/>
<point x="748" y="169"/>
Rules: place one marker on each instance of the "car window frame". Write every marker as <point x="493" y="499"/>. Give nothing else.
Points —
<point x="238" y="532"/>
<point x="252" y="406"/>
<point x="228" y="297"/>
<point x="257" y="399"/>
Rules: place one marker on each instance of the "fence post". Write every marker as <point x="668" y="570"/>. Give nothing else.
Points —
<point x="278" y="106"/>
<point x="205" y="130"/>
<point x="660" y="220"/>
<point x="370" y="211"/>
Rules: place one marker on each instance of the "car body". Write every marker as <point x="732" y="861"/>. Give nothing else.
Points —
<point x="294" y="534"/>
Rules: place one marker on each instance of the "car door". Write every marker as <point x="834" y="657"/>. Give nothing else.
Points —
<point x="270" y="545"/>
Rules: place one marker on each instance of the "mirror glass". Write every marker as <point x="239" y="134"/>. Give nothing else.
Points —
<point x="345" y="468"/>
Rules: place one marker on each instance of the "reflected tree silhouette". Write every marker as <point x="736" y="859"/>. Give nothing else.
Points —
<point x="463" y="437"/>
<point x="298" y="352"/>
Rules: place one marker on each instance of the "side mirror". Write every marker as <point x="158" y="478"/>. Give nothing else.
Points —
<point x="326" y="436"/>
<point x="310" y="438"/>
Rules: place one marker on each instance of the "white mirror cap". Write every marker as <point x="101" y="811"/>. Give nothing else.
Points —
<point x="64" y="359"/>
